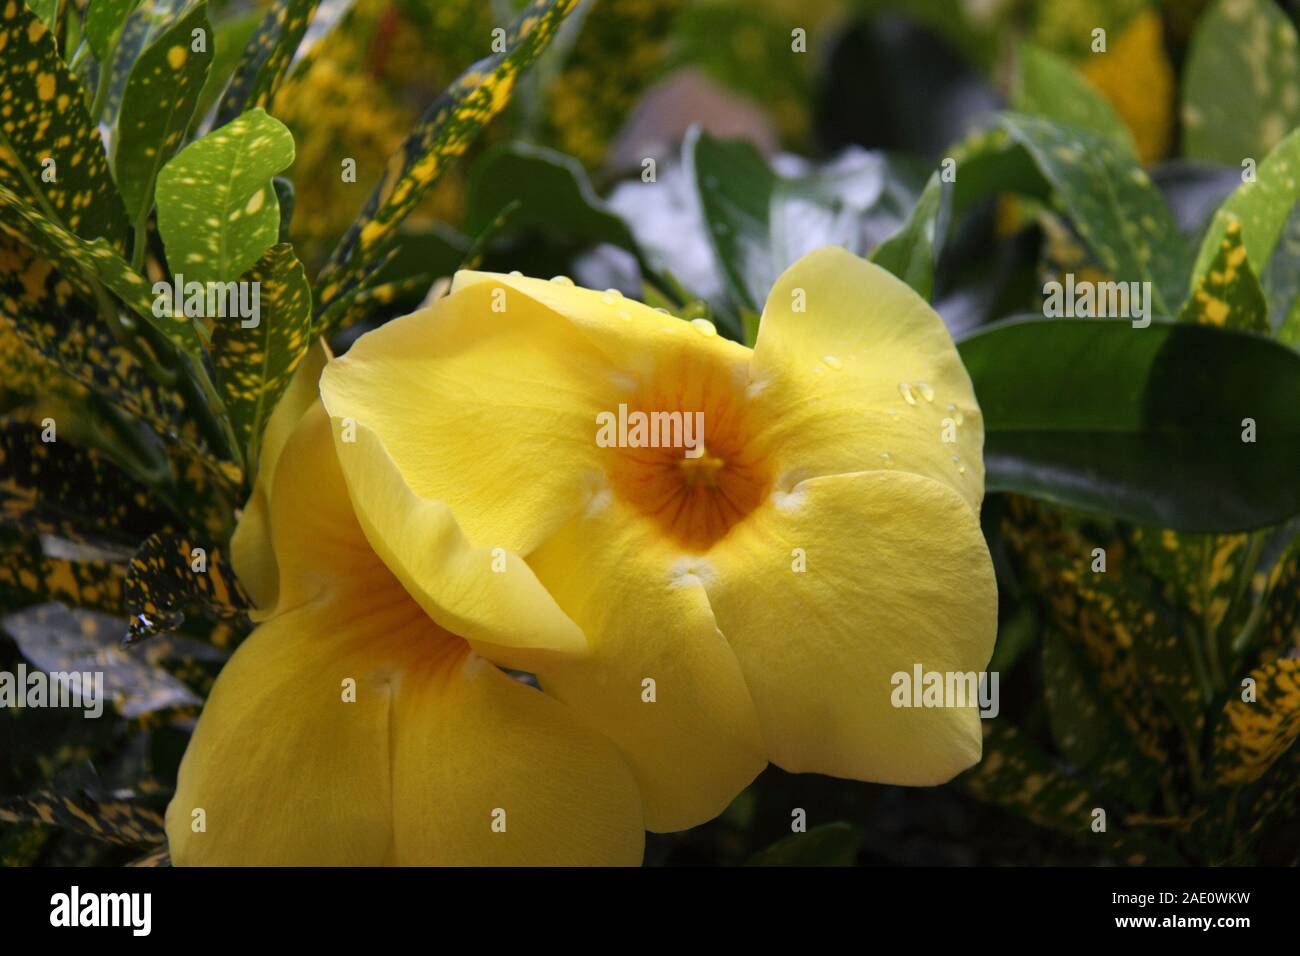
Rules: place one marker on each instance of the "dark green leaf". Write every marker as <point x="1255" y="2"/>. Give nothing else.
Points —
<point x="104" y="18"/>
<point x="910" y="253"/>
<point x="254" y="365"/>
<point x="831" y="844"/>
<point x="170" y="577"/>
<point x="157" y="106"/>
<point x="45" y="130"/>
<point x="266" y="58"/>
<point x="1112" y="203"/>
<point x="1240" y="67"/>
<point x="1141" y="423"/>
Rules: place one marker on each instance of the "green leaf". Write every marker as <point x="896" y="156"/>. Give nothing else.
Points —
<point x="157" y="106"/>
<point x="1229" y="294"/>
<point x="104" y="20"/>
<point x="910" y="253"/>
<point x="1143" y="424"/>
<point x="831" y="844"/>
<point x="30" y="576"/>
<point x="1239" y="87"/>
<point x="46" y="10"/>
<point x="254" y="365"/>
<point x="143" y="24"/>
<point x="1016" y="776"/>
<point x="217" y="209"/>
<point x="50" y="133"/>
<point x="552" y="193"/>
<point x="760" y="223"/>
<point x="1125" y="221"/>
<point x="444" y="132"/>
<point x="86" y="264"/>
<point x="1251" y="735"/>
<point x="74" y="493"/>
<point x="228" y="41"/>
<point x="1261" y="206"/>
<point x="170" y="577"/>
<point x="266" y="58"/>
<point x="1048" y="86"/>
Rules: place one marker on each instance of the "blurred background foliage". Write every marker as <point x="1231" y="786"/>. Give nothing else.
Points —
<point x="776" y="126"/>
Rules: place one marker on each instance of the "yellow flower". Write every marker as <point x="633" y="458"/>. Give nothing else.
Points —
<point x="750" y="602"/>
<point x="363" y="721"/>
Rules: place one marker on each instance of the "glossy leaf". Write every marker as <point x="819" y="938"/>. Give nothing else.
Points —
<point x="217" y="210"/>
<point x="104" y="19"/>
<point x="170" y="577"/>
<point x="1261" y="206"/>
<point x="1050" y="87"/>
<point x="158" y="104"/>
<point x="1242" y="61"/>
<point x="1145" y="424"/>
<point x="266" y="58"/>
<point x="46" y="131"/>
<point x="1127" y="225"/>
<point x="254" y="365"/>
<point x="1229" y="294"/>
<point x="911" y="252"/>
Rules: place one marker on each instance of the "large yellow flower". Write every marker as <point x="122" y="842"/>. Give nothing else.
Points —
<point x="746" y="603"/>
<point x="363" y="721"/>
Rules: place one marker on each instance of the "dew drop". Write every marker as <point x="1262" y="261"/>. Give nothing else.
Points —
<point x="905" y="390"/>
<point x="961" y="469"/>
<point x="704" y="327"/>
<point x="887" y="458"/>
<point x="832" y="362"/>
<point x="562" y="280"/>
<point x="515" y="272"/>
<point x="926" y="391"/>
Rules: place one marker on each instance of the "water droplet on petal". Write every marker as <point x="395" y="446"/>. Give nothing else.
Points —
<point x="516" y="272"/>
<point x="887" y="458"/>
<point x="961" y="469"/>
<point x="704" y="327"/>
<point x="905" y="390"/>
<point x="832" y="362"/>
<point x="562" y="280"/>
<point x="926" y="391"/>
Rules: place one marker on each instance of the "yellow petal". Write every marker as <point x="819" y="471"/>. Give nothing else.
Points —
<point x="486" y="595"/>
<point x="494" y="413"/>
<point x="286" y="769"/>
<point x="896" y="573"/>
<point x="251" y="553"/>
<point x="696" y="743"/>
<point x="865" y="377"/>
<point x="479" y="748"/>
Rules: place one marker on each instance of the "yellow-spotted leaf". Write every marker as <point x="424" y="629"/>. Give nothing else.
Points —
<point x="1261" y="205"/>
<point x="113" y="820"/>
<point x="1018" y="777"/>
<point x="56" y="488"/>
<point x="444" y="132"/>
<point x="157" y="106"/>
<point x="50" y="150"/>
<point x="1279" y="629"/>
<point x="254" y="364"/>
<point x="1241" y="86"/>
<point x="1253" y="733"/>
<point x="217" y="209"/>
<point x="30" y="576"/>
<point x="1229" y="293"/>
<point x="171" y="577"/>
<point x="103" y="24"/>
<point x="88" y="265"/>
<point x="266" y="58"/>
